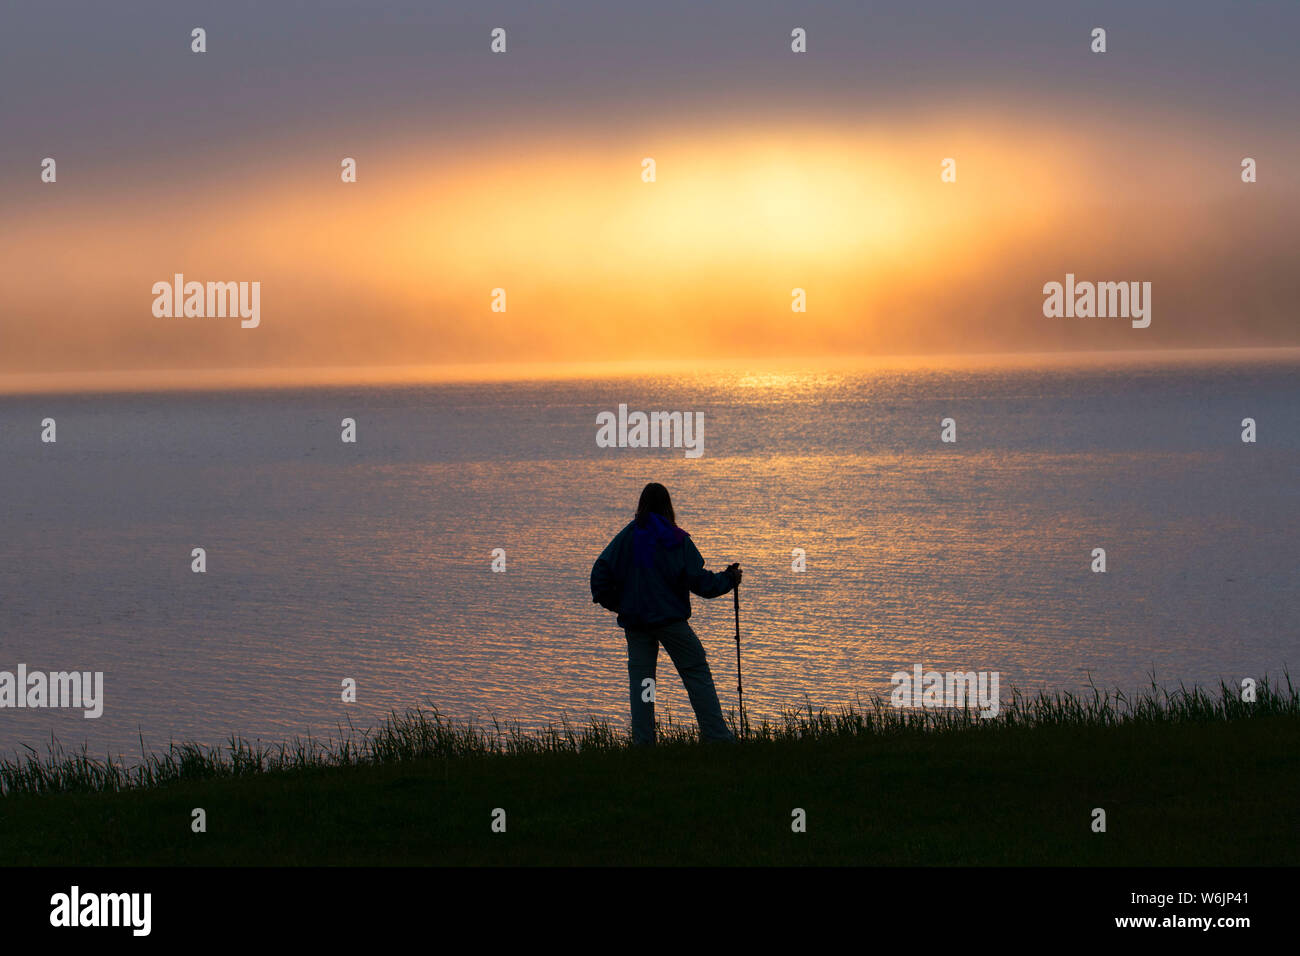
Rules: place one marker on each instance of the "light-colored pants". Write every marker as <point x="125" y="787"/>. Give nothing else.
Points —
<point x="688" y="657"/>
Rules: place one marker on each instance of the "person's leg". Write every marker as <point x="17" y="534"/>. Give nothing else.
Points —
<point x="688" y="656"/>
<point x="642" y="658"/>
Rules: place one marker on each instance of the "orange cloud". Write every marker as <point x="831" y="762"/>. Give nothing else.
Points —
<point x="598" y="265"/>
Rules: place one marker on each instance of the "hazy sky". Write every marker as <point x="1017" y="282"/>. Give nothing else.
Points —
<point x="522" y="171"/>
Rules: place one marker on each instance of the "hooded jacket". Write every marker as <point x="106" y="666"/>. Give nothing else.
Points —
<point x="647" y="572"/>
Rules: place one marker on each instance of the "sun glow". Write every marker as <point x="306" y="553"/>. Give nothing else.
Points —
<point x="400" y="267"/>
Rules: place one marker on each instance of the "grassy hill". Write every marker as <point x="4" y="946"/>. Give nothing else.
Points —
<point x="1185" y="779"/>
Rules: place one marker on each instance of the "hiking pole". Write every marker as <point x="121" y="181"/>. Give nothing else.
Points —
<point x="740" y="686"/>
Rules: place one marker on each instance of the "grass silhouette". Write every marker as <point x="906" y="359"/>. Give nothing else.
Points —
<point x="1186" y="777"/>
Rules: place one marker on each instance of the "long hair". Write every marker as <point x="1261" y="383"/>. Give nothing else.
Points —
<point x="655" y="500"/>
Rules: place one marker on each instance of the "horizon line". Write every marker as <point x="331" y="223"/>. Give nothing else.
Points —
<point x="320" y="376"/>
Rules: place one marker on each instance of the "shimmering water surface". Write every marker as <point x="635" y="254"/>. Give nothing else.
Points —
<point x="372" y="561"/>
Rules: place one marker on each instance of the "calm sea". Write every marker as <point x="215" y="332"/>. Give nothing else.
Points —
<point x="372" y="561"/>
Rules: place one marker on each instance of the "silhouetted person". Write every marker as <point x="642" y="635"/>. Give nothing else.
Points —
<point x="645" y="575"/>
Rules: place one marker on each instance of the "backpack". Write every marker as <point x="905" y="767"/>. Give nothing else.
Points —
<point x="610" y="595"/>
